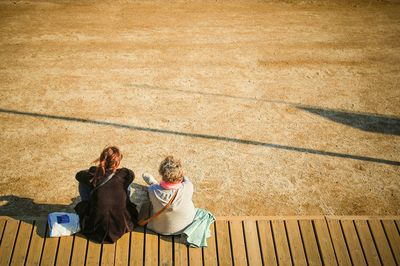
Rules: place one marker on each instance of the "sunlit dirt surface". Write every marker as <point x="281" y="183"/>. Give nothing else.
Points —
<point x="276" y="108"/>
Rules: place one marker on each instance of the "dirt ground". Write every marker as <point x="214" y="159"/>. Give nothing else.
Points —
<point x="276" y="108"/>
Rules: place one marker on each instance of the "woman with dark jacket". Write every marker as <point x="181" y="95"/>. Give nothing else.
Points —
<point x="105" y="211"/>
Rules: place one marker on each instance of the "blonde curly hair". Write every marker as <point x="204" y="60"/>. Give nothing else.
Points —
<point x="171" y="170"/>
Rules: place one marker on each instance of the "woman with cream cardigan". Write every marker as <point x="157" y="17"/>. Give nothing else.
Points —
<point x="181" y="217"/>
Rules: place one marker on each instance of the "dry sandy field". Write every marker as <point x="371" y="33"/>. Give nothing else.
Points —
<point x="275" y="107"/>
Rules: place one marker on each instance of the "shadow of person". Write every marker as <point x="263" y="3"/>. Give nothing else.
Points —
<point x="14" y="206"/>
<point x="26" y="210"/>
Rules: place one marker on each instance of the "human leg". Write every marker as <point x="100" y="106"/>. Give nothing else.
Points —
<point x="84" y="192"/>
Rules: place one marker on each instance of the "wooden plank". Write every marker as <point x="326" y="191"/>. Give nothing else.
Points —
<point x="64" y="250"/>
<point x="195" y="257"/>
<point x="339" y="242"/>
<point x="210" y="252"/>
<point x="238" y="243"/>
<point x="2" y="225"/>
<point x="137" y="247"/>
<point x="79" y="250"/>
<point x="376" y="238"/>
<point x="394" y="238"/>
<point x="22" y="243"/>
<point x="324" y="241"/>
<point x="267" y="243"/>
<point x="223" y="243"/>
<point x="181" y="251"/>
<point x="151" y="248"/>
<point x="362" y="217"/>
<point x="370" y="252"/>
<point x="49" y="249"/>
<point x="93" y="253"/>
<point x="258" y="218"/>
<point x="166" y="250"/>
<point x="37" y="242"/>
<point x="122" y="250"/>
<point x="381" y="242"/>
<point x="7" y="243"/>
<point x="108" y="254"/>
<point x="281" y="242"/>
<point x="353" y="243"/>
<point x="252" y="243"/>
<point x="270" y="218"/>
<point x="295" y="242"/>
<point x="310" y="242"/>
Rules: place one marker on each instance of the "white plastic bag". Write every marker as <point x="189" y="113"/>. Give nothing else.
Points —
<point x="63" y="224"/>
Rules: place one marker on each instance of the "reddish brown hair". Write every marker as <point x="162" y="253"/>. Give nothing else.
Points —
<point x="110" y="158"/>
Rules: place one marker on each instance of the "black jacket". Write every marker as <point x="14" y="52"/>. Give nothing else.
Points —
<point x="109" y="213"/>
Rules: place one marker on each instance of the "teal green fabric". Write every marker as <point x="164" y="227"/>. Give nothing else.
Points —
<point x="199" y="230"/>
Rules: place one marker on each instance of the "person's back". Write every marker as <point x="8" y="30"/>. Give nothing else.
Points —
<point x="105" y="211"/>
<point x="179" y="215"/>
<point x="182" y="211"/>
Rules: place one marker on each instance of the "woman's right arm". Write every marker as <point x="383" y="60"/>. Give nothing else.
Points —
<point x="130" y="176"/>
<point x="188" y="183"/>
<point x="186" y="179"/>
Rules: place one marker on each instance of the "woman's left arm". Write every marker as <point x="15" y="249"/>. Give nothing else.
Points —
<point x="86" y="176"/>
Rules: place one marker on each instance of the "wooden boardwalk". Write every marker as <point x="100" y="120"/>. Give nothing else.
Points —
<point x="235" y="240"/>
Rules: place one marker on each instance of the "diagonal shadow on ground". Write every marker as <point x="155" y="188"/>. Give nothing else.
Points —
<point x="205" y="136"/>
<point x="211" y="94"/>
<point x="376" y="123"/>
<point x="365" y="122"/>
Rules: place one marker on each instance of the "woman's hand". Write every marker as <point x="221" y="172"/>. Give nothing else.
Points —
<point x="149" y="179"/>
